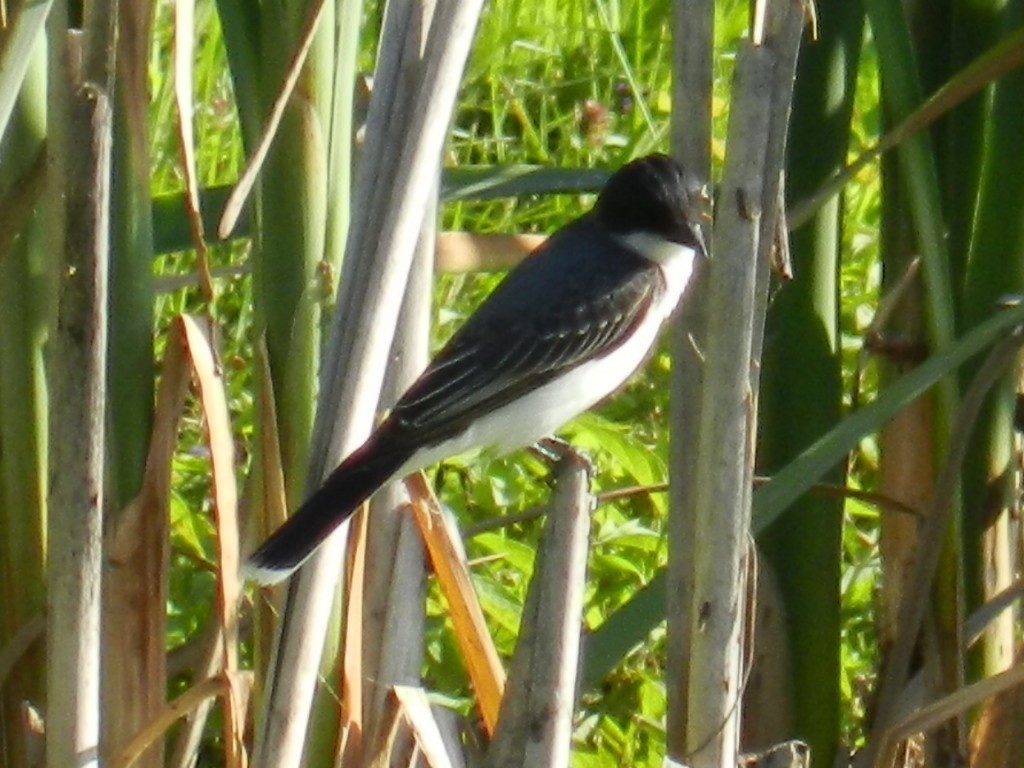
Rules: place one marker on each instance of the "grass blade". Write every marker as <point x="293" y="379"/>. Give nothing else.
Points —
<point x="184" y="23"/>
<point x="19" y="42"/>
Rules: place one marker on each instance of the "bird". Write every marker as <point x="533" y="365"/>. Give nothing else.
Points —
<point x="561" y="332"/>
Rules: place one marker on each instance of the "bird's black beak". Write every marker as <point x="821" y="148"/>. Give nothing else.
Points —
<point x="698" y="232"/>
<point x="701" y="205"/>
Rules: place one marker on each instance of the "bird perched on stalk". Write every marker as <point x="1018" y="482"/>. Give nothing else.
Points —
<point x="565" y="329"/>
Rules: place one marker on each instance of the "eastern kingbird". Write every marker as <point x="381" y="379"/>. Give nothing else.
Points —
<point x="563" y="330"/>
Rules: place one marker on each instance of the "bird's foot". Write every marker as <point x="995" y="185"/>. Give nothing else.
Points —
<point x="554" y="450"/>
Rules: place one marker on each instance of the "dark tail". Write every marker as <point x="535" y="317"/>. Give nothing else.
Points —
<point x="348" y="486"/>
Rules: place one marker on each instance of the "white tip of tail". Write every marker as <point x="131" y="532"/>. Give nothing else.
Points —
<point x="263" y="575"/>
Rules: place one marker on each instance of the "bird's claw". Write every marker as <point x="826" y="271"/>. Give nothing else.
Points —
<point x="554" y="450"/>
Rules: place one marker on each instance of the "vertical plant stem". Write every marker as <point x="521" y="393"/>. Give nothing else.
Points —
<point x="132" y="372"/>
<point x="918" y="164"/>
<point x="80" y="136"/>
<point x="342" y="130"/>
<point x="801" y="395"/>
<point x="393" y="612"/>
<point x="995" y="267"/>
<point x="542" y="678"/>
<point x="902" y="93"/>
<point x="292" y="215"/>
<point x="727" y="410"/>
<point x="135" y="576"/>
<point x="78" y="389"/>
<point x="27" y="278"/>
<point x="380" y="247"/>
<point x="693" y="33"/>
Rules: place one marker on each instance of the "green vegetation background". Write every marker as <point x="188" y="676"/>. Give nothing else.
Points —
<point x="549" y="83"/>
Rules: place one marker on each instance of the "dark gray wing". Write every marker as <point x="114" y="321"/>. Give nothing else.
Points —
<point x="569" y="302"/>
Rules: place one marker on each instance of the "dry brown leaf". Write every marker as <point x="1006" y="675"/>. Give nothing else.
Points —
<point x="136" y="550"/>
<point x="471" y="252"/>
<point x="352" y="663"/>
<point x="225" y="505"/>
<point x="475" y="643"/>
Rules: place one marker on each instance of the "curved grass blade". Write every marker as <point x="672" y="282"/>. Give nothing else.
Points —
<point x="172" y="230"/>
